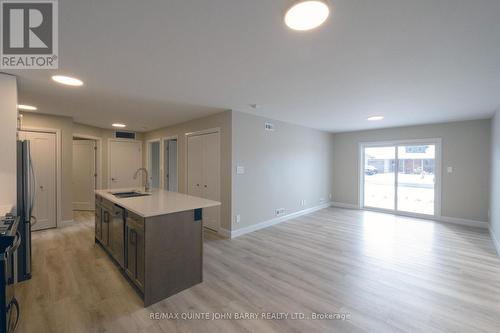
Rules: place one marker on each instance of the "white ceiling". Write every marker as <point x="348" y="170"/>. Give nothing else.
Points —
<point x="159" y="62"/>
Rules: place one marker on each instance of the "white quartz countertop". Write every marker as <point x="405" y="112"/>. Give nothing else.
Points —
<point x="160" y="202"/>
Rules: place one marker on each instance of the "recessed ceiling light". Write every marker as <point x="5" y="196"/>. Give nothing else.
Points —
<point x="375" y="118"/>
<point x="26" y="107"/>
<point x="119" y="125"/>
<point x="67" y="80"/>
<point x="307" y="15"/>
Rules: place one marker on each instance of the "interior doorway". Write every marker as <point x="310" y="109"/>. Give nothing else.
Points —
<point x="84" y="181"/>
<point x="170" y="165"/>
<point x="125" y="158"/>
<point x="153" y="162"/>
<point x="43" y="148"/>
<point x="203" y="172"/>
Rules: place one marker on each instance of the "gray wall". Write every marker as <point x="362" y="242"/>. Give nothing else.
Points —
<point x="282" y="167"/>
<point x="8" y="126"/>
<point x="465" y="147"/>
<point x="495" y="179"/>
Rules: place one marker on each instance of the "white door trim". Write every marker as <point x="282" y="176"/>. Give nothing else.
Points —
<point x="438" y="181"/>
<point x="162" y="162"/>
<point x="109" y="153"/>
<point x="146" y="162"/>
<point x="98" y="155"/>
<point x="57" y="132"/>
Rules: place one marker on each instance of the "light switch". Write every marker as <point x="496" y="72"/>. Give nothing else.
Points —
<point x="240" y="170"/>
<point x="449" y="169"/>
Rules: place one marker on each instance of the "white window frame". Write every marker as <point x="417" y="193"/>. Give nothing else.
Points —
<point x="438" y="174"/>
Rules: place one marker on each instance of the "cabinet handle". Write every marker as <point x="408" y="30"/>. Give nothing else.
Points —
<point x="133" y="237"/>
<point x="206" y="186"/>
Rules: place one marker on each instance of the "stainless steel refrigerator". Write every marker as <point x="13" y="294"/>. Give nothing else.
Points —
<point x="26" y="187"/>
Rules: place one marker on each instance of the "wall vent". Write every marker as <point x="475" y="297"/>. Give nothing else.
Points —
<point x="125" y="135"/>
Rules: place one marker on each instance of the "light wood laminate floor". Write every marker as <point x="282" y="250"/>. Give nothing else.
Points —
<point x="390" y="274"/>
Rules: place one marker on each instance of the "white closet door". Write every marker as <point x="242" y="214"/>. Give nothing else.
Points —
<point x="211" y="177"/>
<point x="84" y="174"/>
<point x="125" y="157"/>
<point x="195" y="166"/>
<point x="43" y="156"/>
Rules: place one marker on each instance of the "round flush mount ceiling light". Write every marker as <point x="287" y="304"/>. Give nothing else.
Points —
<point x="26" y="107"/>
<point x="67" y="80"/>
<point x="307" y="15"/>
<point x="375" y="118"/>
<point x="118" y="125"/>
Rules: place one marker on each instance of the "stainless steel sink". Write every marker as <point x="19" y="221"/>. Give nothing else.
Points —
<point x="129" y="194"/>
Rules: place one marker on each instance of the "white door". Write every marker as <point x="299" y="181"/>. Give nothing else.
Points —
<point x="204" y="173"/>
<point x="195" y="166"/>
<point x="125" y="157"/>
<point x="211" y="183"/>
<point x="84" y="174"/>
<point x="43" y="156"/>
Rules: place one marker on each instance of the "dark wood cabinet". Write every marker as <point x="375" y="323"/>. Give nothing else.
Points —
<point x="105" y="226"/>
<point x="98" y="222"/>
<point x="110" y="224"/>
<point x="116" y="234"/>
<point x="134" y="266"/>
<point x="160" y="255"/>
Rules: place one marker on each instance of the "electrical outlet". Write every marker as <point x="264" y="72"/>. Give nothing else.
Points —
<point x="238" y="218"/>
<point x="280" y="211"/>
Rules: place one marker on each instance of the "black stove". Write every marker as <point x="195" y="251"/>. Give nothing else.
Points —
<point x="6" y="224"/>
<point x="10" y="239"/>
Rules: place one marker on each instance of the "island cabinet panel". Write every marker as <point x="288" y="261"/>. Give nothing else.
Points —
<point x="160" y="255"/>
<point x="134" y="244"/>
<point x="174" y="252"/>
<point x="116" y="234"/>
<point x="98" y="222"/>
<point x="105" y="226"/>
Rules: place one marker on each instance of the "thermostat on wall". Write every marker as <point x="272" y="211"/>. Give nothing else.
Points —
<point x="269" y="127"/>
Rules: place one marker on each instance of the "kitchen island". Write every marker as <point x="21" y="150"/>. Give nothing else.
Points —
<point x="156" y="238"/>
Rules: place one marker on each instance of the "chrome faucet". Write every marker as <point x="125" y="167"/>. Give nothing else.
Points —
<point x="147" y="188"/>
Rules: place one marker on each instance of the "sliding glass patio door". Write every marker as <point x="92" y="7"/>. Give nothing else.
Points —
<point x="400" y="177"/>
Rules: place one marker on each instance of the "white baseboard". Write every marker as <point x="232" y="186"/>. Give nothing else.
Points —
<point x="446" y="219"/>
<point x="344" y="205"/>
<point x="495" y="241"/>
<point x="66" y="223"/>
<point x="239" y="232"/>
<point x="224" y="233"/>
<point x="466" y="222"/>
